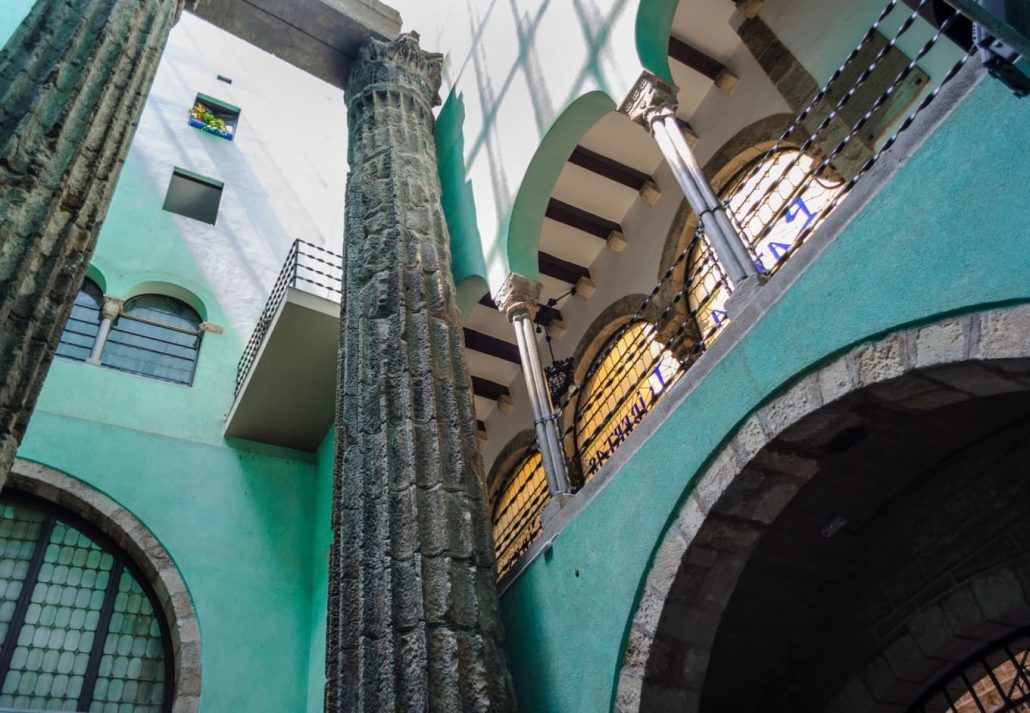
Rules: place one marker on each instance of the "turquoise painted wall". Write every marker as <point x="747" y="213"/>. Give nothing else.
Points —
<point x="237" y="518"/>
<point x="948" y="234"/>
<point x="12" y="12"/>
<point x="322" y="538"/>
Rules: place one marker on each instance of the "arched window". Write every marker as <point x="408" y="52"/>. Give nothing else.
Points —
<point x="155" y="336"/>
<point x="632" y="372"/>
<point x="516" y="520"/>
<point x="996" y="680"/>
<point x="79" y="630"/>
<point x="80" y="333"/>
<point x="774" y="200"/>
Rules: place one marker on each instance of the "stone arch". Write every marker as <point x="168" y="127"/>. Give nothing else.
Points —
<point x="171" y="290"/>
<point x="527" y="214"/>
<point x="95" y="274"/>
<point x="146" y="552"/>
<point x="760" y="469"/>
<point x="653" y="27"/>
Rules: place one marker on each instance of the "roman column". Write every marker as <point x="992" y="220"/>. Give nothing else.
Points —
<point x="73" y="81"/>
<point x="413" y="609"/>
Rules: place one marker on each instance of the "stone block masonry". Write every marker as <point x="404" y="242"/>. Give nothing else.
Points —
<point x="413" y="622"/>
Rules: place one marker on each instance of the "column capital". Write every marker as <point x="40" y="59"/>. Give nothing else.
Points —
<point x="650" y="99"/>
<point x="518" y="296"/>
<point x="111" y="308"/>
<point x="393" y="65"/>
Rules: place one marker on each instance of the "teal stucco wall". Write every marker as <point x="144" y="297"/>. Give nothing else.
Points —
<point x="947" y="235"/>
<point x="236" y="518"/>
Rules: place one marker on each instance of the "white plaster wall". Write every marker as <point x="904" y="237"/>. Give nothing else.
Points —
<point x="284" y="174"/>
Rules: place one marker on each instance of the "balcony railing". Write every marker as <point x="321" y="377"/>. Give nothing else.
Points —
<point x="776" y="206"/>
<point x="308" y="267"/>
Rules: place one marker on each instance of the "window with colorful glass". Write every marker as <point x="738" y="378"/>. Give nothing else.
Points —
<point x="629" y="377"/>
<point x="775" y="201"/>
<point x="516" y="519"/>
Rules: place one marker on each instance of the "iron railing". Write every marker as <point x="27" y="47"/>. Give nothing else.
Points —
<point x="307" y="267"/>
<point x="995" y="680"/>
<point x="767" y="199"/>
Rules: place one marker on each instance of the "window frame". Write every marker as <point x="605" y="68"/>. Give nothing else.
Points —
<point x="99" y="322"/>
<point x="586" y="395"/>
<point x="125" y="314"/>
<point x="517" y="463"/>
<point x="54" y="513"/>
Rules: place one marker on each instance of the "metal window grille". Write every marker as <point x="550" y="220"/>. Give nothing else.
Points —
<point x="79" y="631"/>
<point x="516" y="520"/>
<point x="80" y="333"/>
<point x="777" y="202"/>
<point x="624" y="386"/>
<point x="155" y="336"/>
<point x="995" y="680"/>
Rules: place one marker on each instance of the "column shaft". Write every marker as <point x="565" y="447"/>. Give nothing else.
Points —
<point x="543" y="411"/>
<point x="727" y="243"/>
<point x="413" y="608"/>
<point x="73" y="81"/>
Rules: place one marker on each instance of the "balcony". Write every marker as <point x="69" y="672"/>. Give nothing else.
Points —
<point x="285" y="394"/>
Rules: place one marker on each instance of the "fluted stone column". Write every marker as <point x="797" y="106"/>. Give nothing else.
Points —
<point x="413" y="608"/>
<point x="73" y="81"/>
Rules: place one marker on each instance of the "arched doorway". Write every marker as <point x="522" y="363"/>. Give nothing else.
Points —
<point x="860" y="538"/>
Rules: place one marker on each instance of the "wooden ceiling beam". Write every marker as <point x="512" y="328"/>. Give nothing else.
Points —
<point x="489" y="389"/>
<point x="703" y="64"/>
<point x="485" y="344"/>
<point x="580" y="219"/>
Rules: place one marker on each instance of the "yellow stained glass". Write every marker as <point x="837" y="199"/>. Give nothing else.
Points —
<point x="516" y="522"/>
<point x="774" y="201"/>
<point x="633" y="373"/>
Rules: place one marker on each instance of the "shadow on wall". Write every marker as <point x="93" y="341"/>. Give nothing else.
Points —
<point x="520" y="208"/>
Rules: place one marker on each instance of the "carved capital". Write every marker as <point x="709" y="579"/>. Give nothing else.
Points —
<point x="518" y="296"/>
<point x="111" y="308"/>
<point x="651" y="98"/>
<point x="397" y="64"/>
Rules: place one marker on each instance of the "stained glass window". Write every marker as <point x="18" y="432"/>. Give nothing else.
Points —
<point x="80" y="333"/>
<point x="80" y="633"/>
<point x="156" y="336"/>
<point x="516" y="521"/>
<point x="633" y="372"/>
<point x="774" y="200"/>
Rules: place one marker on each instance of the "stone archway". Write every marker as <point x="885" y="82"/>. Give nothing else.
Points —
<point x="147" y="554"/>
<point x="772" y="457"/>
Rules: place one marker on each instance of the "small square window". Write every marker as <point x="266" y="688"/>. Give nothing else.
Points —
<point x="214" y="117"/>
<point x="194" y="196"/>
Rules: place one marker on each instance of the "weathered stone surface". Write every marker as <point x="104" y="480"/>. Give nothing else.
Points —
<point x="73" y="81"/>
<point x="413" y="623"/>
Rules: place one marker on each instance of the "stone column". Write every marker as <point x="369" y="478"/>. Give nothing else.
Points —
<point x="413" y="621"/>
<point x="518" y="298"/>
<point x="73" y="81"/>
<point x="652" y="104"/>
<point x="109" y="312"/>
